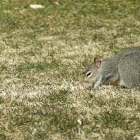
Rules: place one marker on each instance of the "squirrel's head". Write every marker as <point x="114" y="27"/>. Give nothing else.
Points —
<point x="90" y="75"/>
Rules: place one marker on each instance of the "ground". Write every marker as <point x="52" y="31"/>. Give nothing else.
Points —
<point x="43" y="53"/>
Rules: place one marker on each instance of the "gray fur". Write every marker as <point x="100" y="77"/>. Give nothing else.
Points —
<point x="121" y="69"/>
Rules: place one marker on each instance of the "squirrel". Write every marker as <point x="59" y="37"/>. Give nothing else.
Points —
<point x="122" y="69"/>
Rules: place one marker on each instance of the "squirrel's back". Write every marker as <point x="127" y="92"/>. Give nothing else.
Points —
<point x="129" y="69"/>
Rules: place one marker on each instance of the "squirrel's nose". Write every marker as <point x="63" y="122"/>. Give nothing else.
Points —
<point x="83" y="84"/>
<point x="87" y="85"/>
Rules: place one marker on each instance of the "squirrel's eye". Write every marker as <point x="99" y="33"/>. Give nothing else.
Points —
<point x="88" y="74"/>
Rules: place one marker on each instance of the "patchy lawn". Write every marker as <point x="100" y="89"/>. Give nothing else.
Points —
<point x="43" y="53"/>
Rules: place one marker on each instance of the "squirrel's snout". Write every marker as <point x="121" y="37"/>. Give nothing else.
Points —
<point x="83" y="84"/>
<point x="87" y="84"/>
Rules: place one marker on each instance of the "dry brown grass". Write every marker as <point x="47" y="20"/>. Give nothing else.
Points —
<point x="42" y="55"/>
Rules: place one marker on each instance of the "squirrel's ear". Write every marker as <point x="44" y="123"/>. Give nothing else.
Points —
<point x="97" y="62"/>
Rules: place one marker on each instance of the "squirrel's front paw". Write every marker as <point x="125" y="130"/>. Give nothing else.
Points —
<point x="96" y="85"/>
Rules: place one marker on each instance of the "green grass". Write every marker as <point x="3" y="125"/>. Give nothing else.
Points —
<point x="43" y="53"/>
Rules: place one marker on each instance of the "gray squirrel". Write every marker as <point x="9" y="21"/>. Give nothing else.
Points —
<point x="121" y="69"/>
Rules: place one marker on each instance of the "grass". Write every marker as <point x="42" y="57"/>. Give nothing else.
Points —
<point x="43" y="53"/>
